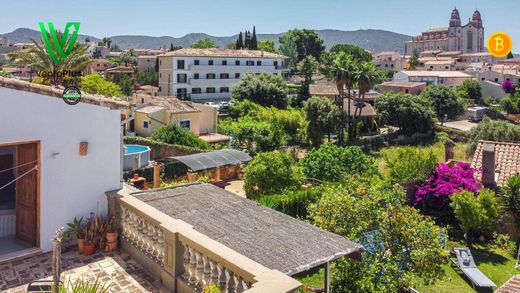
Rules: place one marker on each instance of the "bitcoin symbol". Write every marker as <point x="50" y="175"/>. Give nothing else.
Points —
<point x="499" y="44"/>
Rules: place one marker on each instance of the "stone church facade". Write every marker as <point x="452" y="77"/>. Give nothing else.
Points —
<point x="467" y="38"/>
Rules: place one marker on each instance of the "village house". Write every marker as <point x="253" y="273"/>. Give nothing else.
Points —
<point x="146" y="62"/>
<point x="449" y="78"/>
<point x="209" y="74"/>
<point x="412" y="88"/>
<point x="98" y="65"/>
<point x="60" y="161"/>
<point x="389" y="61"/>
<point x="159" y="111"/>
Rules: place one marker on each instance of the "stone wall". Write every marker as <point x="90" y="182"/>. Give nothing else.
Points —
<point x="161" y="150"/>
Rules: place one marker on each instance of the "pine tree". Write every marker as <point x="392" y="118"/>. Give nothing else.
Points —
<point x="254" y="42"/>
<point x="240" y="42"/>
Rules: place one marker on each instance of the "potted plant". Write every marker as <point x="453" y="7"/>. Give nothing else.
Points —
<point x="90" y="235"/>
<point x="111" y="234"/>
<point x="75" y="231"/>
<point x="99" y="229"/>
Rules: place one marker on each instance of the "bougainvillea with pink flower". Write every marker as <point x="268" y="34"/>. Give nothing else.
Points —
<point x="444" y="182"/>
<point x="508" y="87"/>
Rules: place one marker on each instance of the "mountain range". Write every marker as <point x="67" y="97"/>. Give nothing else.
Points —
<point x="369" y="39"/>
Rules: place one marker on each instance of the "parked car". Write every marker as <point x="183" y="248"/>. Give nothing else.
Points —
<point x="212" y="104"/>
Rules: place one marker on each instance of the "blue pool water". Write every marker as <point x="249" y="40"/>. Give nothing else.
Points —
<point x="133" y="148"/>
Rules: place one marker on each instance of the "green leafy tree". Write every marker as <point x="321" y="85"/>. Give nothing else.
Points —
<point x="491" y="130"/>
<point x="289" y="49"/>
<point x="307" y="67"/>
<point x="128" y="58"/>
<point x="470" y="89"/>
<point x="370" y="211"/>
<point x="333" y="163"/>
<point x="511" y="104"/>
<point x="148" y="77"/>
<point x="115" y="48"/>
<point x="409" y="164"/>
<point x="511" y="198"/>
<point x="356" y="52"/>
<point x="174" y="134"/>
<point x="307" y="43"/>
<point x="253" y="135"/>
<point x="414" y="61"/>
<point x="260" y="178"/>
<point x="476" y="214"/>
<point x="36" y="57"/>
<point x="264" y="89"/>
<point x="205" y="43"/>
<point x="323" y="118"/>
<point x="410" y="113"/>
<point x="267" y="45"/>
<point x="124" y="81"/>
<point x="446" y="102"/>
<point x="510" y="55"/>
<point x="94" y="83"/>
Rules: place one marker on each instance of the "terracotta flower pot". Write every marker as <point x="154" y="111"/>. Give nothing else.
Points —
<point x="111" y="237"/>
<point x="88" y="248"/>
<point x="81" y="243"/>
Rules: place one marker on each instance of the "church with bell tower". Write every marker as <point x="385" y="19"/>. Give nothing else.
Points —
<point x="468" y="38"/>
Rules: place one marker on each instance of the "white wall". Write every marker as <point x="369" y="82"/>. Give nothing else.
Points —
<point x="71" y="185"/>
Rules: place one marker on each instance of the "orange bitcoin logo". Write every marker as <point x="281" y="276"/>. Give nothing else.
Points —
<point x="499" y="44"/>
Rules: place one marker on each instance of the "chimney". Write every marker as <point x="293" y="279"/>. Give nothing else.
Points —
<point x="488" y="165"/>
<point x="449" y="151"/>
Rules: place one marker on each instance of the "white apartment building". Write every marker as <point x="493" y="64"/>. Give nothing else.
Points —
<point x="209" y="74"/>
<point x="449" y="78"/>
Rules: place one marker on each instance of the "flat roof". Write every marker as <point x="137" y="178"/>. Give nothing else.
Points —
<point x="404" y="84"/>
<point x="271" y="238"/>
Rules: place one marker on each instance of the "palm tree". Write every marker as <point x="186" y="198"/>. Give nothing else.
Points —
<point x="366" y="77"/>
<point x="511" y="194"/>
<point x="37" y="57"/>
<point x="342" y="69"/>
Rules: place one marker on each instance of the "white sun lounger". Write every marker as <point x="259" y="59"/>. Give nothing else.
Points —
<point x="467" y="265"/>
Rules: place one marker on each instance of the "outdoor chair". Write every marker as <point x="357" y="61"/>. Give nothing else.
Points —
<point x="42" y="286"/>
<point x="468" y="267"/>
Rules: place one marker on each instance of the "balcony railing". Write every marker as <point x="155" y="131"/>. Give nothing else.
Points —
<point x="185" y="259"/>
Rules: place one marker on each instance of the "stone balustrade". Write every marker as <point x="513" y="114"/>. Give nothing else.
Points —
<point x="200" y="271"/>
<point x="145" y="235"/>
<point x="184" y="259"/>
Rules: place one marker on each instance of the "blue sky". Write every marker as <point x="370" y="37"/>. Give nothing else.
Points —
<point x="226" y="17"/>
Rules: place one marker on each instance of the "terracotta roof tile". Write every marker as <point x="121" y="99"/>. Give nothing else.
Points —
<point x="511" y="286"/>
<point x="507" y="159"/>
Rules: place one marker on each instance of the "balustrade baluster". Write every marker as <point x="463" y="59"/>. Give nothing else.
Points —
<point x="151" y="232"/>
<point x="186" y="263"/>
<point x="231" y="283"/>
<point x="193" y="266"/>
<point x="222" y="278"/>
<point x="200" y="269"/>
<point x="160" y="245"/>
<point x="214" y="272"/>
<point x="207" y="271"/>
<point x="144" y="236"/>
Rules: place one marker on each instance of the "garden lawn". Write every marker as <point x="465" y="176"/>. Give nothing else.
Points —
<point x="497" y="264"/>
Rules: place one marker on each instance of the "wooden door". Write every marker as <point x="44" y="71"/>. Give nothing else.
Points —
<point x="26" y="193"/>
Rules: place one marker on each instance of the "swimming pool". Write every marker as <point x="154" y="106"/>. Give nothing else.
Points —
<point x="134" y="148"/>
<point x="135" y="156"/>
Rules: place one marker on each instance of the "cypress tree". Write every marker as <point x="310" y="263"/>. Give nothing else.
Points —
<point x="247" y="42"/>
<point x="254" y="42"/>
<point x="171" y="47"/>
<point x="240" y="42"/>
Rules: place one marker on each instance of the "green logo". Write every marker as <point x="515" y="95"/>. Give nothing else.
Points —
<point x="59" y="46"/>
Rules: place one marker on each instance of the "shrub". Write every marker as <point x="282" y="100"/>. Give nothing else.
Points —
<point x="271" y="173"/>
<point x="174" y="134"/>
<point x="493" y="131"/>
<point x="94" y="83"/>
<point x="332" y="163"/>
<point x="476" y="214"/>
<point x="434" y="195"/>
<point x="446" y="101"/>
<point x="408" y="164"/>
<point x="292" y="203"/>
<point x="511" y="104"/>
